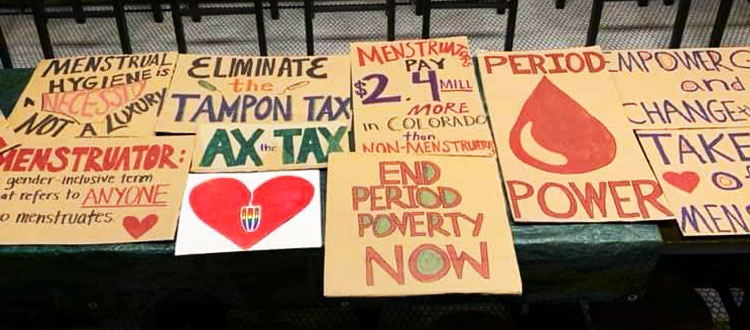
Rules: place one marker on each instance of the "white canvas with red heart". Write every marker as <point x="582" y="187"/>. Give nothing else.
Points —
<point x="234" y="212"/>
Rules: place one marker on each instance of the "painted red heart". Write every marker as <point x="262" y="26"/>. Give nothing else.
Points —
<point x="137" y="228"/>
<point x="685" y="181"/>
<point x="218" y="202"/>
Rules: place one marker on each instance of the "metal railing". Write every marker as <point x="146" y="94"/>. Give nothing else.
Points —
<point x="42" y="14"/>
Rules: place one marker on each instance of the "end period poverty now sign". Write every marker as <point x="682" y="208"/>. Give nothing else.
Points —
<point x="416" y="225"/>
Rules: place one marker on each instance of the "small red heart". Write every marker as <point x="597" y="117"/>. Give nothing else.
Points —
<point x="136" y="227"/>
<point x="218" y="202"/>
<point x="685" y="181"/>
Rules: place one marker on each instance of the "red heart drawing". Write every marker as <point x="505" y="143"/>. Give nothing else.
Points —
<point x="137" y="228"/>
<point x="218" y="202"/>
<point x="685" y="181"/>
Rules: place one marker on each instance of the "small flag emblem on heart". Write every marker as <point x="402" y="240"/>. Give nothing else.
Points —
<point x="250" y="218"/>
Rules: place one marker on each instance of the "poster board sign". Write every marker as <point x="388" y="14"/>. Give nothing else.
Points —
<point x="683" y="88"/>
<point x="256" y="90"/>
<point x="94" y="96"/>
<point x="8" y="140"/>
<point x="566" y="151"/>
<point x="704" y="173"/>
<point x="418" y="97"/>
<point x="416" y="225"/>
<point x="92" y="191"/>
<point x="265" y="147"/>
<point x="250" y="212"/>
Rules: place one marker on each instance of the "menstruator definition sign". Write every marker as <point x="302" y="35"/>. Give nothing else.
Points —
<point x="92" y="191"/>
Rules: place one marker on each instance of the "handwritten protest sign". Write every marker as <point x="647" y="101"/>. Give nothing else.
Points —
<point x="94" y="96"/>
<point x="565" y="148"/>
<point x="683" y="88"/>
<point x="256" y="90"/>
<point x="244" y="148"/>
<point x="92" y="191"/>
<point x="6" y="135"/>
<point x="414" y="225"/>
<point x="704" y="173"/>
<point x="418" y="97"/>
<point x="250" y="212"/>
<point x="8" y="139"/>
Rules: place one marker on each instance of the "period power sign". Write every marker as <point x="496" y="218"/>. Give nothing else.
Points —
<point x="417" y="225"/>
<point x="566" y="150"/>
<point x="418" y="97"/>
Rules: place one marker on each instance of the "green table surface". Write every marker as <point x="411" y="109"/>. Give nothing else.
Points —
<point x="558" y="263"/>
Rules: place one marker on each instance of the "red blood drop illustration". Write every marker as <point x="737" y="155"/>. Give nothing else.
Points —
<point x="561" y="125"/>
